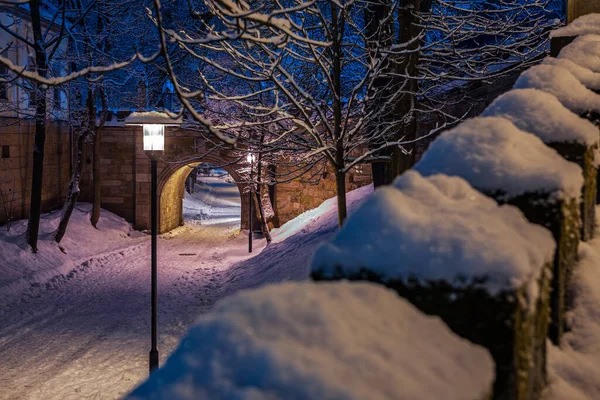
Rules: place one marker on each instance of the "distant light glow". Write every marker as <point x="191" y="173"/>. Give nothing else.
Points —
<point x="250" y="157"/>
<point x="154" y="137"/>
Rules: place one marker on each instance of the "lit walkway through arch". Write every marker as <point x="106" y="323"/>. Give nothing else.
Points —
<point x="211" y="198"/>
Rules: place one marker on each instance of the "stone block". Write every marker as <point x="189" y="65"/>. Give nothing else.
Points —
<point x="113" y="200"/>
<point x="584" y="157"/>
<point x="514" y="334"/>
<point x="142" y="178"/>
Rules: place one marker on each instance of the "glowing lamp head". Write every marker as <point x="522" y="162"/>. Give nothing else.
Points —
<point x="154" y="137"/>
<point x="250" y="157"/>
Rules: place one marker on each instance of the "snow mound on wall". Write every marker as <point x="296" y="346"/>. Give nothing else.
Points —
<point x="562" y="84"/>
<point x="321" y="341"/>
<point x="152" y="117"/>
<point x="492" y="154"/>
<point x="540" y="113"/>
<point x="439" y="228"/>
<point x="574" y="368"/>
<point x="586" y="76"/>
<point x="583" y="51"/>
<point x="586" y="24"/>
<point x="20" y="268"/>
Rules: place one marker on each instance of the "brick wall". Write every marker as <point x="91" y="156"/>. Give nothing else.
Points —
<point x="577" y="8"/>
<point x="296" y="197"/>
<point x="118" y="164"/>
<point x="16" y="164"/>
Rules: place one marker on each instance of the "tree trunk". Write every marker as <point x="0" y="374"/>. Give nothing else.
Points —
<point x="380" y="34"/>
<point x="400" y="161"/>
<point x="74" y="190"/>
<point x="97" y="180"/>
<point x="340" y="183"/>
<point x="340" y="148"/>
<point x="97" y="174"/>
<point x="263" y="219"/>
<point x="33" y="224"/>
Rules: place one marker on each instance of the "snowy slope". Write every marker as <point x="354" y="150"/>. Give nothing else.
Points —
<point x="574" y="368"/>
<point x="21" y="269"/>
<point x="334" y="341"/>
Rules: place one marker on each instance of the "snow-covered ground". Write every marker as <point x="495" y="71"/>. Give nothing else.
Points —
<point x="575" y="367"/>
<point x="214" y="201"/>
<point x="321" y="341"/>
<point x="80" y="329"/>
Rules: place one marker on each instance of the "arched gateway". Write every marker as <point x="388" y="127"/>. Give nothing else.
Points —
<point x="126" y="174"/>
<point x="126" y="177"/>
<point x="183" y="149"/>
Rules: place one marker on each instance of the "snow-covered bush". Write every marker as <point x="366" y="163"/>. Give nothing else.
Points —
<point x="517" y="168"/>
<point x="573" y="137"/>
<point x="453" y="252"/>
<point x="307" y="341"/>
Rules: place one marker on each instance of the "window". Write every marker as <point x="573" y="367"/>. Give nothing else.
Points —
<point x="56" y="100"/>
<point x="3" y="85"/>
<point x="31" y="96"/>
<point x="5" y="151"/>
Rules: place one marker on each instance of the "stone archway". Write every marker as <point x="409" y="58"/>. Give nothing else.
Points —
<point x="171" y="187"/>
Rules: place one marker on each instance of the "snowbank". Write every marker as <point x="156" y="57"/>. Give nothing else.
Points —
<point x="327" y="209"/>
<point x="542" y="114"/>
<point x="589" y="78"/>
<point x="439" y="228"/>
<point x="492" y="154"/>
<point x="21" y="269"/>
<point x="561" y="83"/>
<point x="583" y="25"/>
<point x="288" y="257"/>
<point x="321" y="341"/>
<point x="575" y="367"/>
<point x="583" y="51"/>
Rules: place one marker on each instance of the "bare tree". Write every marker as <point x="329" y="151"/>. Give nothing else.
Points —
<point x="43" y="74"/>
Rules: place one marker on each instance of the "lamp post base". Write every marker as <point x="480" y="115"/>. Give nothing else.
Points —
<point x="153" y="360"/>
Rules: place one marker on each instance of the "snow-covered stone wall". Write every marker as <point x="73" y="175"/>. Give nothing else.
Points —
<point x="536" y="149"/>
<point x="16" y="163"/>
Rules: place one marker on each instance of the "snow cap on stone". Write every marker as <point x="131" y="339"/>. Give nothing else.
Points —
<point x="561" y="83"/>
<point x="494" y="156"/>
<point x="584" y="25"/>
<point x="439" y="228"/>
<point x="344" y="341"/>
<point x="586" y="76"/>
<point x="541" y="114"/>
<point x="584" y="51"/>
<point x="152" y="117"/>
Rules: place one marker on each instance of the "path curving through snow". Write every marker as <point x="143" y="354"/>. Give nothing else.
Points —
<point x="85" y="334"/>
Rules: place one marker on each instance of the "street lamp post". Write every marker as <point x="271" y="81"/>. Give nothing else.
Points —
<point x="154" y="145"/>
<point x="250" y="159"/>
<point x="153" y="124"/>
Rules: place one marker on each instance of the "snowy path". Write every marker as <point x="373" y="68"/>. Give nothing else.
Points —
<point x="89" y="336"/>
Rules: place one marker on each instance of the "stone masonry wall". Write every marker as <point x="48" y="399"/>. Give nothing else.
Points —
<point x="296" y="197"/>
<point x="577" y="8"/>
<point x="16" y="163"/>
<point x="118" y="165"/>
